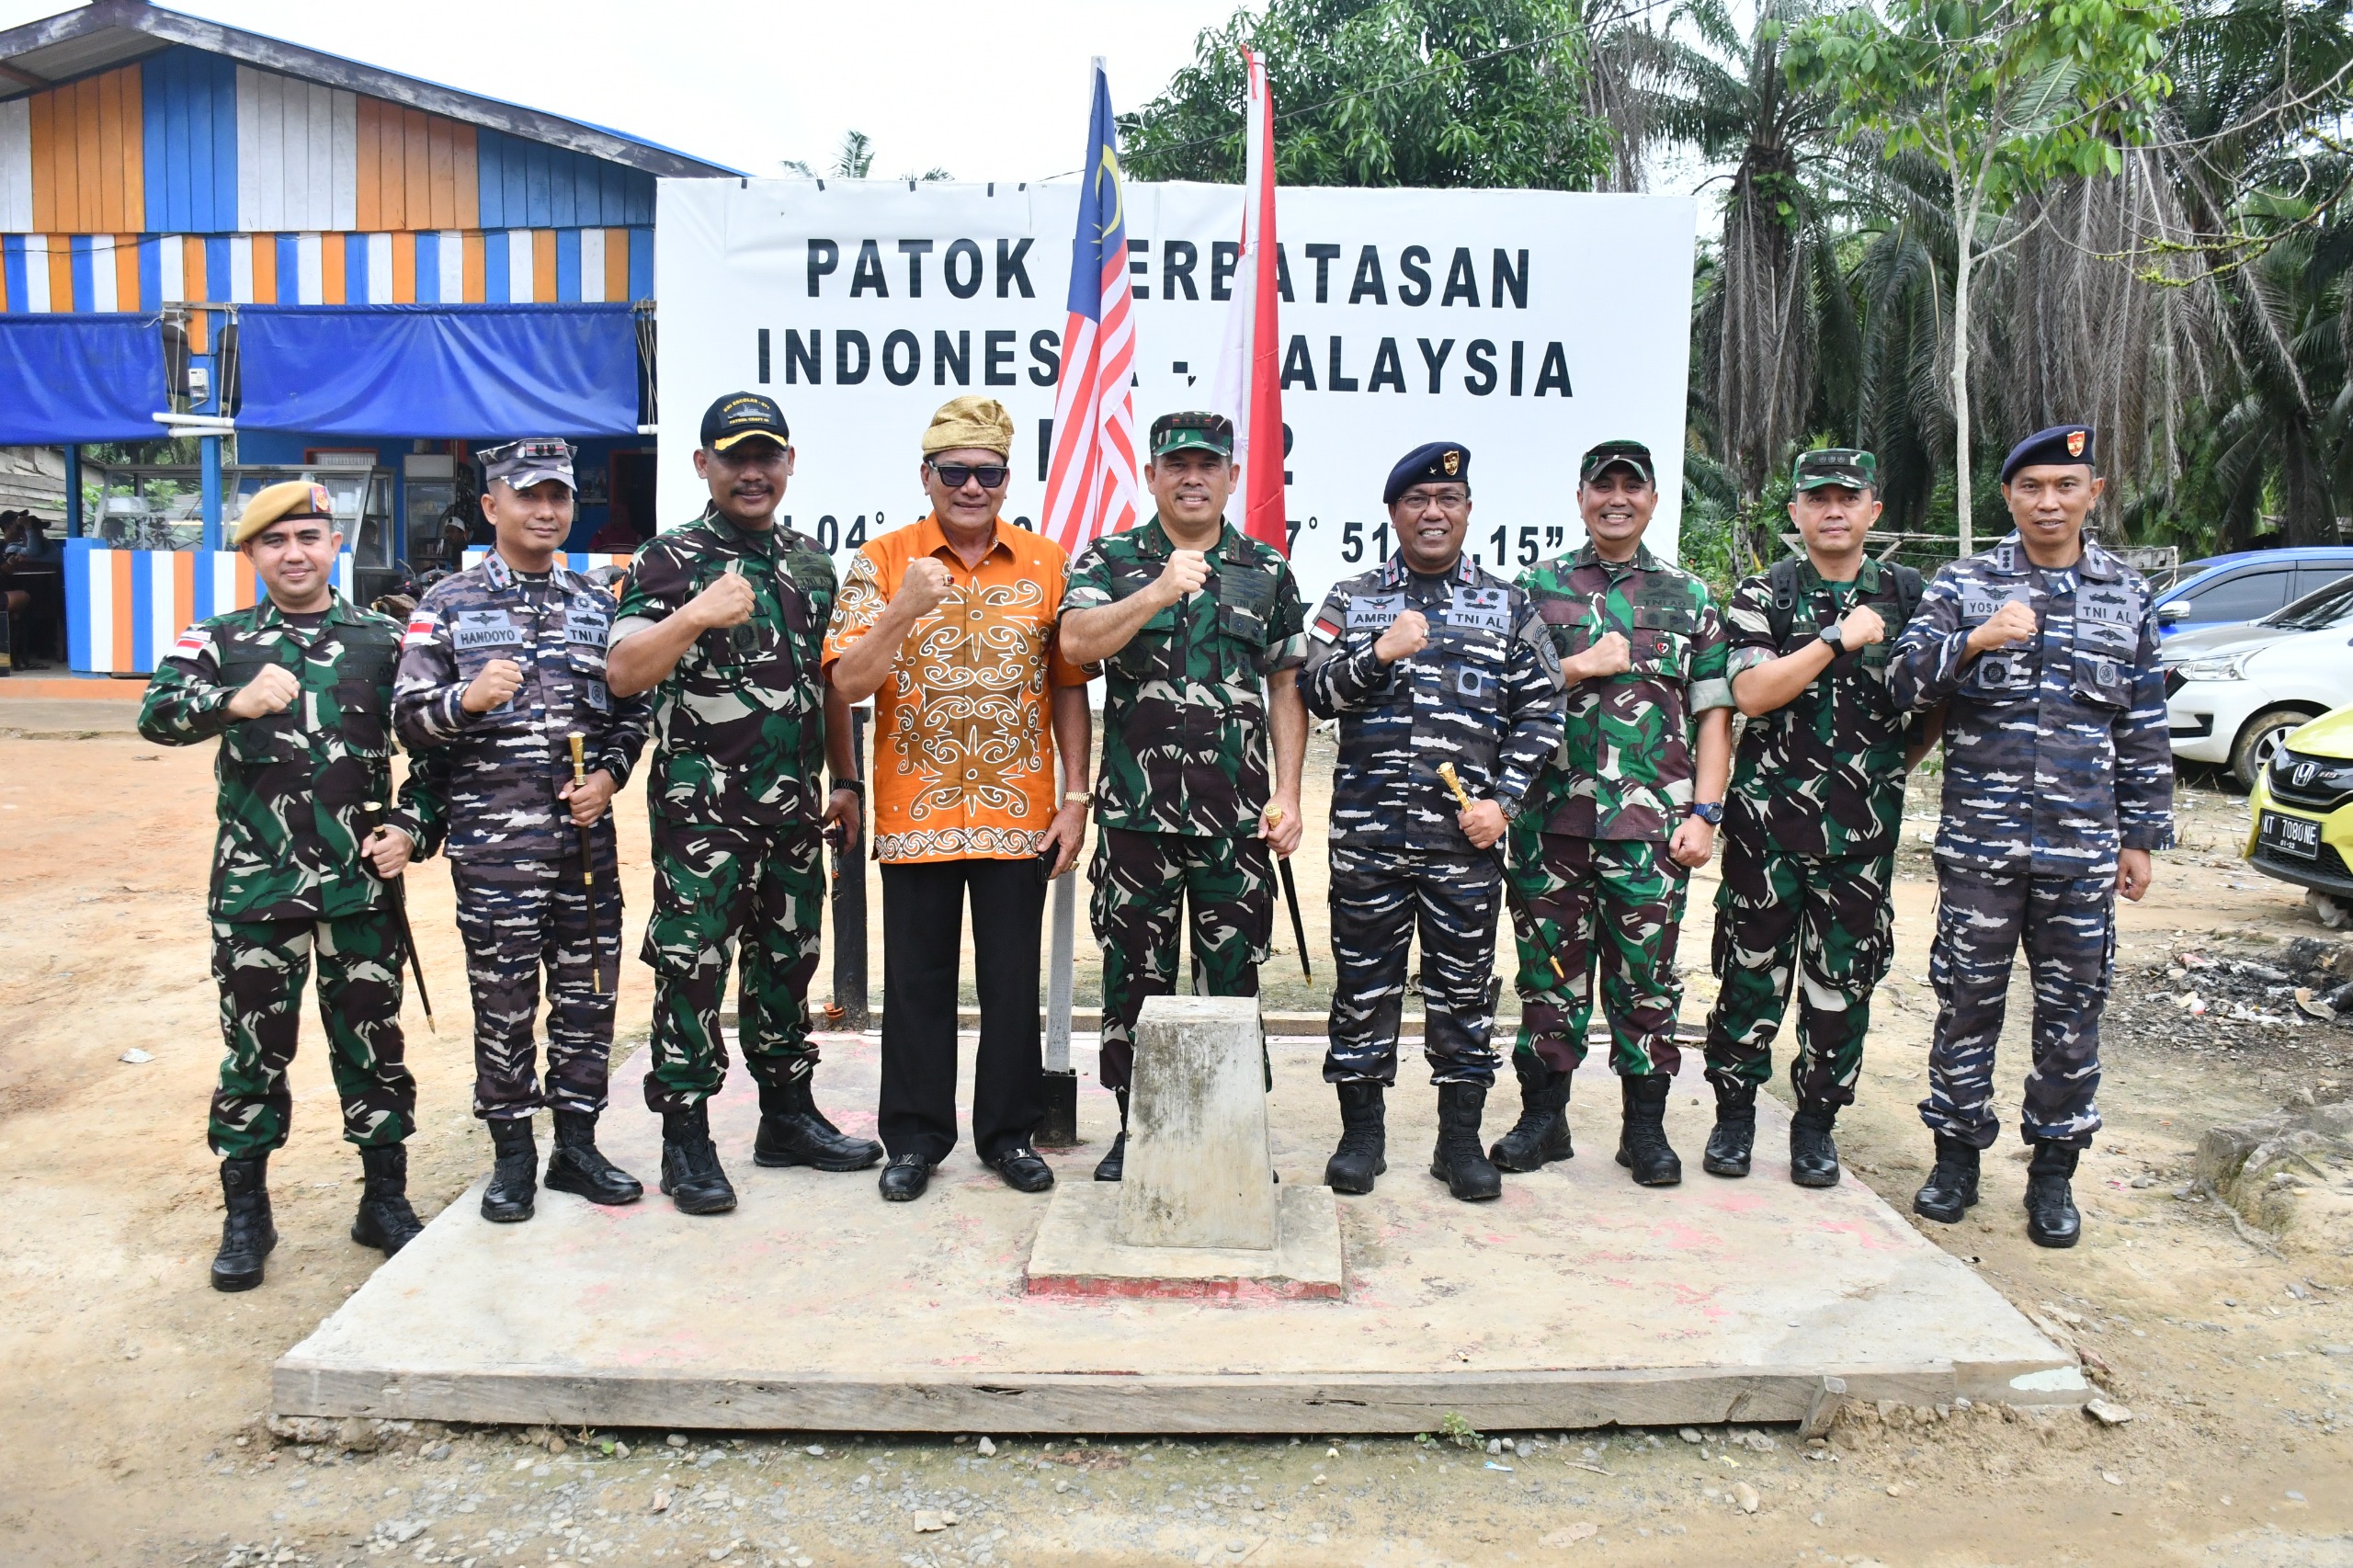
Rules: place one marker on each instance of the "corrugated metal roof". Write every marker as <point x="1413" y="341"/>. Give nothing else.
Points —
<point x="110" y="33"/>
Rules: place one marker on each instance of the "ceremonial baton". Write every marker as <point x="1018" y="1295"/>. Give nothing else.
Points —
<point x="372" y="813"/>
<point x="1290" y="899"/>
<point x="588" y="865"/>
<point x="1523" y="919"/>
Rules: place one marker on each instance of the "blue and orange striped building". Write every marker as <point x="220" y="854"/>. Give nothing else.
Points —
<point x="162" y="165"/>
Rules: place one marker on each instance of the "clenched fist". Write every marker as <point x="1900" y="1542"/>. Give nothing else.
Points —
<point x="1610" y="655"/>
<point x="272" y="688"/>
<point x="2014" y="622"/>
<point x="1187" y="571"/>
<point x="727" y="602"/>
<point x="1407" y="635"/>
<point x="925" y="583"/>
<point x="1860" y="627"/>
<point x="498" y="681"/>
<point x="389" y="850"/>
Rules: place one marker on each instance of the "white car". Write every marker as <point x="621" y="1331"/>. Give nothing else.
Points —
<point x="2232" y="692"/>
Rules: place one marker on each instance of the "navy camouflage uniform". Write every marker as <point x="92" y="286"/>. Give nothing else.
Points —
<point x="1485" y="694"/>
<point x="514" y="851"/>
<point x="1184" y="777"/>
<point x="737" y="796"/>
<point x="288" y="882"/>
<point x="2055" y="757"/>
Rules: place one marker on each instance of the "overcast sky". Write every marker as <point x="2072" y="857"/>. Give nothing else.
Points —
<point x="986" y="92"/>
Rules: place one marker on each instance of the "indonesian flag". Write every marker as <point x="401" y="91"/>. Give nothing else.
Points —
<point x="1091" y="478"/>
<point x="1249" y="372"/>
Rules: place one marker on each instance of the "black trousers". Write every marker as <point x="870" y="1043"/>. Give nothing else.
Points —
<point x="923" y="911"/>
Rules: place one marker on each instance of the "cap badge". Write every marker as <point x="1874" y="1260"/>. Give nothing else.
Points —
<point x="2075" y="443"/>
<point x="1451" y="463"/>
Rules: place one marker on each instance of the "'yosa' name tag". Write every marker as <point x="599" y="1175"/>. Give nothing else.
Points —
<point x="1375" y="612"/>
<point x="1481" y="610"/>
<point x="473" y="631"/>
<point x="1983" y="604"/>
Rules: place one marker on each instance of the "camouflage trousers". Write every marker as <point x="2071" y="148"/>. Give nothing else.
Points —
<point x="1380" y="897"/>
<point x="2069" y="929"/>
<point x="762" y="890"/>
<point x="1821" y="925"/>
<point x="262" y="967"/>
<point x="520" y="919"/>
<point x="1607" y="905"/>
<point x="1142" y="883"/>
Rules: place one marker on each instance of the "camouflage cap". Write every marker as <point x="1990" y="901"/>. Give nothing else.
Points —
<point x="293" y="500"/>
<point x="1849" y="466"/>
<point x="1632" y="454"/>
<point x="532" y="460"/>
<point x="1196" y="430"/>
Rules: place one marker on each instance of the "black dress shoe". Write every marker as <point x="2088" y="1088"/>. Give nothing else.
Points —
<point x="1022" y="1169"/>
<point x="905" y="1178"/>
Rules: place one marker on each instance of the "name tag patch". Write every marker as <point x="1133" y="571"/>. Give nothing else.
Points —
<point x="1979" y="603"/>
<point x="471" y="631"/>
<point x="2111" y="605"/>
<point x="1375" y="612"/>
<point x="585" y="624"/>
<point x="1481" y="610"/>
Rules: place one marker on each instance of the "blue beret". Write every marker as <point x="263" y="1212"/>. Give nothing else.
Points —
<point x="2060" y="444"/>
<point x="1438" y="462"/>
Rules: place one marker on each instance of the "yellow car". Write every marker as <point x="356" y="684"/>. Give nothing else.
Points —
<point x="2301" y="808"/>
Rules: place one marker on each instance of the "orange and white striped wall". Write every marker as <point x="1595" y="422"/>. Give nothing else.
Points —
<point x="124" y="609"/>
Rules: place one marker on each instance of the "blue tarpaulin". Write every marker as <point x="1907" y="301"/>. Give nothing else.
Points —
<point x="439" y="370"/>
<point x="79" y="378"/>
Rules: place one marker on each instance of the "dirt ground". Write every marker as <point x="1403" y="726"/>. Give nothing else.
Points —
<point x="133" y="1429"/>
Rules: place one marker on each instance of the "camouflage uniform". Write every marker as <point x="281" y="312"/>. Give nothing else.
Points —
<point x="1810" y="836"/>
<point x="514" y="852"/>
<point x="1184" y="776"/>
<point x="2055" y="756"/>
<point x="1589" y="846"/>
<point x="737" y="797"/>
<point x="1485" y="695"/>
<point x="287" y="878"/>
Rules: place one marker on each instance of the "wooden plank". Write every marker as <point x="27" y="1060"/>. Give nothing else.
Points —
<point x="417" y="172"/>
<point x="109" y="214"/>
<point x="265" y="268"/>
<point x="84" y="213"/>
<point x="615" y="264"/>
<point x="61" y="273"/>
<point x="471" y="287"/>
<point x="543" y="266"/>
<point x="133" y="211"/>
<point x="222" y="211"/>
<point x="465" y="168"/>
<point x="331" y="265"/>
<point x="41" y="135"/>
<point x="440" y="175"/>
<point x="404" y="279"/>
<point x="344" y="154"/>
<point x="128" y="295"/>
<point x="368" y="204"/>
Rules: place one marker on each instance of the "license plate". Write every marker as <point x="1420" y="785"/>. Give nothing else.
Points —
<point x="2299" y="836"/>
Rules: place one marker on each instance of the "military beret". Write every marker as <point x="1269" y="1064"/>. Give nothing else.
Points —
<point x="741" y="417"/>
<point x="977" y="422"/>
<point x="2060" y="444"/>
<point x="1835" y="465"/>
<point x="1201" y="432"/>
<point x="1633" y="454"/>
<point x="1433" y="464"/>
<point x="530" y="462"/>
<point x="283" y="502"/>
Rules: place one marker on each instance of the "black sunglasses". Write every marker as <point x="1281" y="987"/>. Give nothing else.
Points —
<point x="956" y="475"/>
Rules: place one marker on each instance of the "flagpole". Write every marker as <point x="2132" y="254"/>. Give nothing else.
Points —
<point x="1059" y="1129"/>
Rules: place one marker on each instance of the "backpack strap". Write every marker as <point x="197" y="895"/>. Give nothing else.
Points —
<point x="1781" y="612"/>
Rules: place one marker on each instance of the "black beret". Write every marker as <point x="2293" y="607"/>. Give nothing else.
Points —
<point x="1439" y="461"/>
<point x="2060" y="444"/>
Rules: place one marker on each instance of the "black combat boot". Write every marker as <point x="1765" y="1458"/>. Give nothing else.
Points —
<point x="1641" y="1146"/>
<point x="579" y="1167"/>
<point x="1456" y="1159"/>
<point x="515" y="1178"/>
<point x="1734" y="1134"/>
<point x="690" y="1171"/>
<point x="2051" y="1216"/>
<point x="1951" y="1190"/>
<point x="1541" y="1133"/>
<point x="246" y="1233"/>
<point x="793" y="1131"/>
<point x="1364" y="1142"/>
<point x="385" y="1221"/>
<point x="1813" y="1154"/>
<point x="1114" y="1166"/>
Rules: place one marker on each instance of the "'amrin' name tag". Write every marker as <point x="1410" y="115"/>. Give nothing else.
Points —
<point x="1375" y="612"/>
<point x="474" y="630"/>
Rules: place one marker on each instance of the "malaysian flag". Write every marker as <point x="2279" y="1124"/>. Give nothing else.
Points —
<point x="1091" y="483"/>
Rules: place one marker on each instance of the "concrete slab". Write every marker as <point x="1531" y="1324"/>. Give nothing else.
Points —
<point x="1576" y="1300"/>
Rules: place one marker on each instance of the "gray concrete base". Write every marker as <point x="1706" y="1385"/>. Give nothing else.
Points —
<point x="1576" y="1299"/>
<point x="1078" y="1253"/>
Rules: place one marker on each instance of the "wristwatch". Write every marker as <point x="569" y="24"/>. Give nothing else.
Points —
<point x="1078" y="797"/>
<point x="1835" y="635"/>
<point x="855" y="785"/>
<point x="1709" y="812"/>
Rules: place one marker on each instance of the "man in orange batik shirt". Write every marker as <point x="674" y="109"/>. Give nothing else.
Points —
<point x="949" y="625"/>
